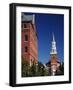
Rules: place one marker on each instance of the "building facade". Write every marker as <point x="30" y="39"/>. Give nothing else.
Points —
<point x="29" y="40"/>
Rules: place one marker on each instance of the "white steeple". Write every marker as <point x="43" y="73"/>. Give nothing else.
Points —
<point x="53" y="50"/>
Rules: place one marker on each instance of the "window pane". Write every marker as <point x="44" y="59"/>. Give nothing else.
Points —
<point x="25" y="25"/>
<point x="26" y="37"/>
<point x="26" y="49"/>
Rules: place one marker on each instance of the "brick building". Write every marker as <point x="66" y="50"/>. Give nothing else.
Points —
<point x="29" y="41"/>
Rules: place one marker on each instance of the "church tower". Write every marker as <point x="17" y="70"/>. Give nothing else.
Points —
<point x="54" y="59"/>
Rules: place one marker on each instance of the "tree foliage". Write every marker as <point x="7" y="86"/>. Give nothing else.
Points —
<point x="34" y="70"/>
<point x="38" y="69"/>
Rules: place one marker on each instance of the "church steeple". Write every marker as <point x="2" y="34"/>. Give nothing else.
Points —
<point x="54" y="63"/>
<point x="53" y="49"/>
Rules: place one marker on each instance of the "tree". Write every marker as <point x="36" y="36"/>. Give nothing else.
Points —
<point x="60" y="71"/>
<point x="42" y="71"/>
<point x="25" y="68"/>
<point x="34" y="70"/>
<point x="62" y="68"/>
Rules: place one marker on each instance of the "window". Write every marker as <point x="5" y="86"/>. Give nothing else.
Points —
<point x="26" y="49"/>
<point x="26" y="37"/>
<point x="25" y="25"/>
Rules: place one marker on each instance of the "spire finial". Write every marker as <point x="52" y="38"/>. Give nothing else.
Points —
<point x="53" y="37"/>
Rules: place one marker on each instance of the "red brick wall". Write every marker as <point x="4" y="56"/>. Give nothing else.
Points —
<point x="54" y="59"/>
<point x="32" y="42"/>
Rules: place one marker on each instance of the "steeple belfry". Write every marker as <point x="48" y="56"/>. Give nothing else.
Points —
<point x="53" y="50"/>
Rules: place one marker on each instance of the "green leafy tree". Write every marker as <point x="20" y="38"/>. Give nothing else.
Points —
<point x="25" y="68"/>
<point x="33" y="70"/>
<point x="62" y="68"/>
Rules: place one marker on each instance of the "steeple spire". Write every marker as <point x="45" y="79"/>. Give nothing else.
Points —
<point x="53" y="37"/>
<point x="53" y="50"/>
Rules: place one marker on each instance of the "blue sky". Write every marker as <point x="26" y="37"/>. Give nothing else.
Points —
<point x="46" y="25"/>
